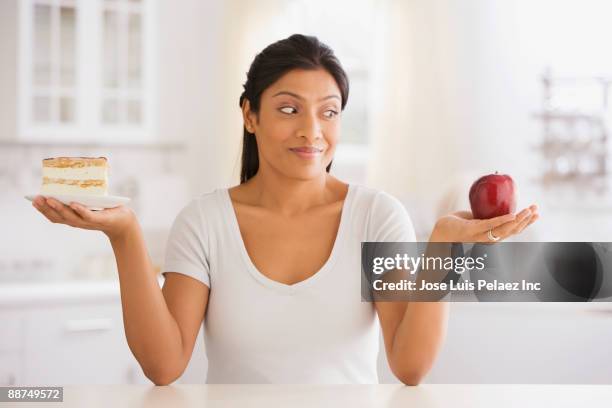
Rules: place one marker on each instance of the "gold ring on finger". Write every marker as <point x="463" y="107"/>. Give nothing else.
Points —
<point x="491" y="236"/>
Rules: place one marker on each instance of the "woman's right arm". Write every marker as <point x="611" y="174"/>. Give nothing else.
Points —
<point x="161" y="325"/>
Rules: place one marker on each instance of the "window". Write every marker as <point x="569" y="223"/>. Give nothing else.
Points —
<point x="53" y="63"/>
<point x="86" y="70"/>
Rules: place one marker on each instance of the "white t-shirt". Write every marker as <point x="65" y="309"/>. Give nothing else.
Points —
<point x="257" y="330"/>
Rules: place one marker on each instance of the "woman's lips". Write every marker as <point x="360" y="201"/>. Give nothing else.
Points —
<point x="306" y="152"/>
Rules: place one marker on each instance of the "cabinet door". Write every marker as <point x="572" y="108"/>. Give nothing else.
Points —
<point x="77" y="344"/>
<point x="11" y="346"/>
<point x="11" y="324"/>
<point x="10" y="368"/>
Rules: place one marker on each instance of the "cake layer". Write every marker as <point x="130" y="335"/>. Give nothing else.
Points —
<point x="75" y="173"/>
<point x="52" y="189"/>
<point x="82" y="187"/>
<point x="75" y="162"/>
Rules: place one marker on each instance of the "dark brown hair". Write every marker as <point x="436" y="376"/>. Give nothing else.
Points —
<point x="295" y="52"/>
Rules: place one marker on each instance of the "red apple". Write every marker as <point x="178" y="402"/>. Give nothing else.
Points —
<point x="492" y="195"/>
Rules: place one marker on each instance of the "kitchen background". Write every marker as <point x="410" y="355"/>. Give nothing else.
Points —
<point x="442" y="91"/>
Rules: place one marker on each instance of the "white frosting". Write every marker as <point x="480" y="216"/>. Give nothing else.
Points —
<point x="56" y="188"/>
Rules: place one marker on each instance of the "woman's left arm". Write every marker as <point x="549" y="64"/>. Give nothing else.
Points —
<point x="414" y="332"/>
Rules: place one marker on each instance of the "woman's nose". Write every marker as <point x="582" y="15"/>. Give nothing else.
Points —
<point x="310" y="128"/>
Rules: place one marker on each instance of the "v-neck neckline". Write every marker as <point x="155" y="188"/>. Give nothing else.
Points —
<point x="274" y="284"/>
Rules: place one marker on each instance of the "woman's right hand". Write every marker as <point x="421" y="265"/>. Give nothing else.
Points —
<point x="114" y="222"/>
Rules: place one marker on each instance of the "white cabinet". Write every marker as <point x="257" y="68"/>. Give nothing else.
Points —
<point x="66" y="344"/>
<point x="10" y="368"/>
<point x="526" y="343"/>
<point x="77" y="344"/>
<point x="87" y="70"/>
<point x="12" y="331"/>
<point x="11" y="348"/>
<point x="63" y="334"/>
<point x="72" y="333"/>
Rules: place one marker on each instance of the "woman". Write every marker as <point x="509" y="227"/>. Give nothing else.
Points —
<point x="272" y="265"/>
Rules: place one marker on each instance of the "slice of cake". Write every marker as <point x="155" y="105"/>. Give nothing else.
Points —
<point x="75" y="175"/>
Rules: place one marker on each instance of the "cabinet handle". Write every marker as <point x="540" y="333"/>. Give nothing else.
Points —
<point x="86" y="325"/>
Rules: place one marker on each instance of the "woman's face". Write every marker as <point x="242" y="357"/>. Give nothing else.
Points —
<point x="300" y="110"/>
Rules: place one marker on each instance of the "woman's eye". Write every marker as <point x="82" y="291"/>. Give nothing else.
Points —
<point x="330" y="113"/>
<point x="288" y="109"/>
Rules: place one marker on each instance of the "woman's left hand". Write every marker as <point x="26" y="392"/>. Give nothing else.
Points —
<point x="461" y="226"/>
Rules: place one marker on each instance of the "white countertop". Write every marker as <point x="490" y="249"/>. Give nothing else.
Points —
<point x="24" y="294"/>
<point x="348" y="396"/>
<point x="21" y="294"/>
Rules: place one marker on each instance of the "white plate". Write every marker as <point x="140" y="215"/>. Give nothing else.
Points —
<point x="91" y="202"/>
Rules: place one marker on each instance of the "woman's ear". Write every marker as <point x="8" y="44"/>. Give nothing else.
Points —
<point x="248" y="116"/>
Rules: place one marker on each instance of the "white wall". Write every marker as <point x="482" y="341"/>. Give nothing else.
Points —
<point x="192" y="96"/>
<point x="449" y="96"/>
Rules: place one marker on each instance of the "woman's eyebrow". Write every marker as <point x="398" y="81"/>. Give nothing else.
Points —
<point x="302" y="98"/>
